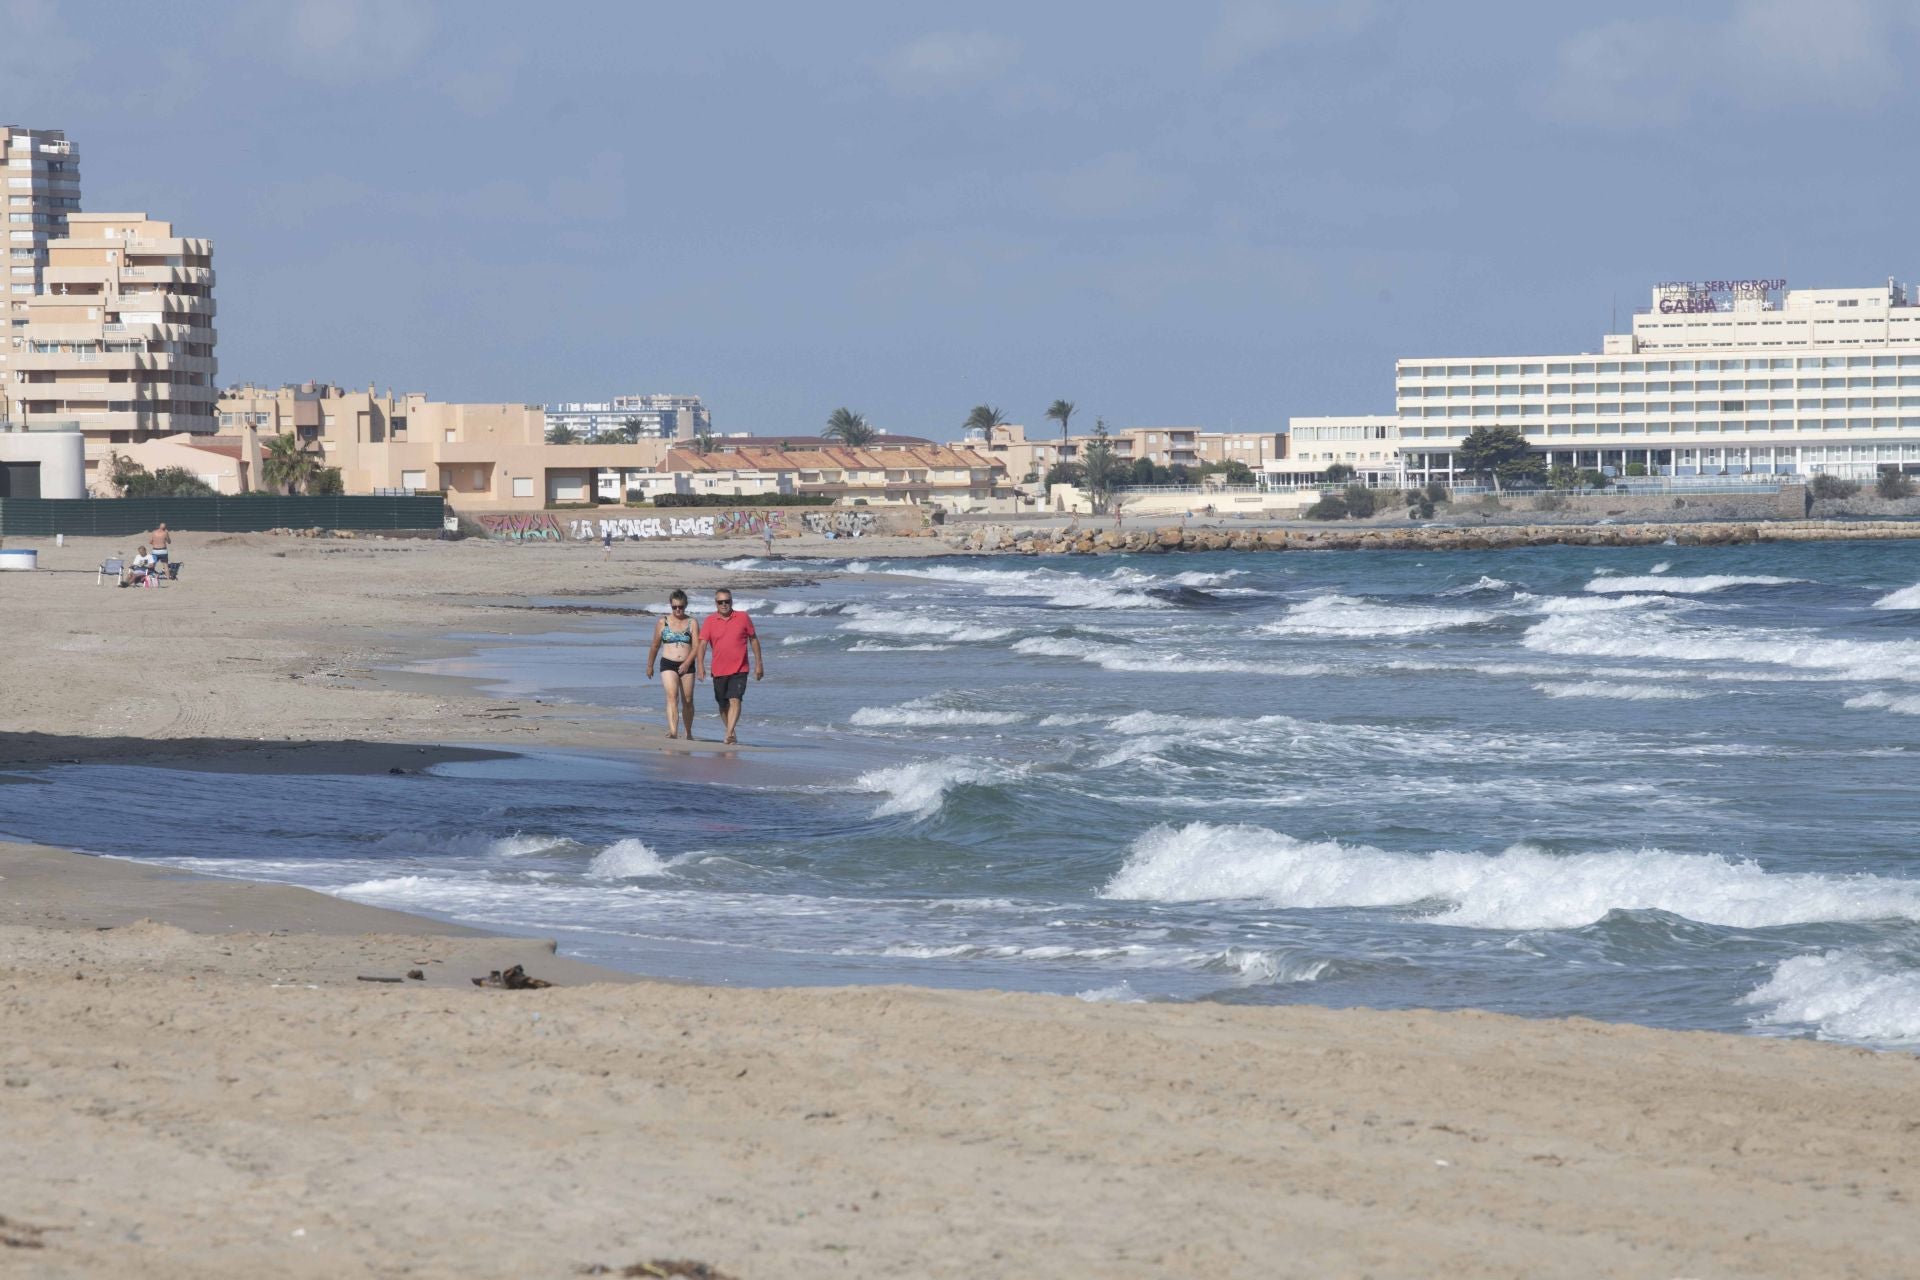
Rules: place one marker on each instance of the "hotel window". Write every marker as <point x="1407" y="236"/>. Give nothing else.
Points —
<point x="1561" y="369"/>
<point x="1533" y="368"/>
<point x="1583" y="368"/>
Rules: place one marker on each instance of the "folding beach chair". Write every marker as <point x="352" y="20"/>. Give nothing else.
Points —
<point x="115" y="569"/>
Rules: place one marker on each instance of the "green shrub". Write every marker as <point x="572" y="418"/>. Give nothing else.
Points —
<point x="1826" y="486"/>
<point x="1420" y="507"/>
<point x="1360" y="501"/>
<point x="1438" y="493"/>
<point x="1636" y="468"/>
<point x="1894" y="484"/>
<point x="1330" y="507"/>
<point x="135" y="481"/>
<point x="1339" y="473"/>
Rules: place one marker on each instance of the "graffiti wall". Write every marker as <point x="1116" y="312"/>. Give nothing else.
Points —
<point x="520" y="526"/>
<point x="844" y="524"/>
<point x="749" y="522"/>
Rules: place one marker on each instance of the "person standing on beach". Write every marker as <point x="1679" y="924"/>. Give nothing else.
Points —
<point x="721" y="651"/>
<point x="161" y="543"/>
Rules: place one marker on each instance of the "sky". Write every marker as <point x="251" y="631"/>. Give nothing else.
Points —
<point x="1222" y="213"/>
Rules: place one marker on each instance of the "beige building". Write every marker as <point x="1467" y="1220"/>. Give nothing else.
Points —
<point x="43" y="190"/>
<point x="891" y="476"/>
<point x="484" y="457"/>
<point x="1164" y="446"/>
<point x="119" y="342"/>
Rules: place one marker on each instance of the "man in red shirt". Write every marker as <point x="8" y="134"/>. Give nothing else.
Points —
<point x="724" y="640"/>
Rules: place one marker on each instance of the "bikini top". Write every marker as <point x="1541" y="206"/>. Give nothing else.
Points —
<point x="669" y="636"/>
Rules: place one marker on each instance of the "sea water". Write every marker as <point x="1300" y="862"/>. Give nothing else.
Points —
<point x="1673" y="786"/>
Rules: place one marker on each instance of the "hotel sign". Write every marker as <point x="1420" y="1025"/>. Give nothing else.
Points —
<point x="1689" y="296"/>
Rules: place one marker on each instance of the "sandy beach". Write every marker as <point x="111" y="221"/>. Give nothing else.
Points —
<point x="198" y="1082"/>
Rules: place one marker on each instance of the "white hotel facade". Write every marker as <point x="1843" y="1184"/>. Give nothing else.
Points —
<point x="1716" y="378"/>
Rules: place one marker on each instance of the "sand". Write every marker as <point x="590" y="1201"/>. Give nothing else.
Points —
<point x="195" y="1082"/>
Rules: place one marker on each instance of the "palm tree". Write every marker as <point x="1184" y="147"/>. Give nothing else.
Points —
<point x="1060" y="411"/>
<point x="563" y="434"/>
<point x="849" y="428"/>
<point x="985" y="418"/>
<point x="286" y="463"/>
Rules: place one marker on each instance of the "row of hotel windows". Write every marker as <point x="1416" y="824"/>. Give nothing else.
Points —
<point x="1478" y="391"/>
<point x="1659" y="366"/>
<point x="1729" y="426"/>
<point x="1613" y="409"/>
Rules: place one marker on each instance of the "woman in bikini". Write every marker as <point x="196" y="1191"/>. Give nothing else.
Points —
<point x="676" y="638"/>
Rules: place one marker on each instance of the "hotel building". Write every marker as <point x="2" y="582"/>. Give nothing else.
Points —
<point x="1188" y="447"/>
<point x="661" y="417"/>
<point x="1732" y="378"/>
<point x="119" y="342"/>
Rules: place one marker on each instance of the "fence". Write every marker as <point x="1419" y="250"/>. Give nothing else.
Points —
<point x="252" y="513"/>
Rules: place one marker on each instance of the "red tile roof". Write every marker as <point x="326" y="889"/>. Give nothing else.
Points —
<point x="829" y="458"/>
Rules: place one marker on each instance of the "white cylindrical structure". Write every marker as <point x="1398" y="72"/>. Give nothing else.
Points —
<point x="60" y="455"/>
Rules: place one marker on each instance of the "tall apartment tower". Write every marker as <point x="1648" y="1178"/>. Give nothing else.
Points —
<point x="43" y="188"/>
<point x="120" y="340"/>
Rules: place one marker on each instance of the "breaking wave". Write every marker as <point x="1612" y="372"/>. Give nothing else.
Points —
<point x="624" y="860"/>
<point x="1521" y="888"/>
<point x="1167" y="660"/>
<point x="908" y="625"/>
<point x="1624" y="692"/>
<point x="1337" y="615"/>
<point x="1906" y="705"/>
<point x="1859" y="995"/>
<point x="1904" y="598"/>
<point x="919" y="790"/>
<point x="1580" y="636"/>
<point x="1685" y="586"/>
<point x="923" y="712"/>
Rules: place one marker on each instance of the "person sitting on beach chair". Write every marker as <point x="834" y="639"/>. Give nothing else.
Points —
<point x="143" y="573"/>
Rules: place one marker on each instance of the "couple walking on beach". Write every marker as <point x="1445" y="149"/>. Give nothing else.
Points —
<point x="690" y="649"/>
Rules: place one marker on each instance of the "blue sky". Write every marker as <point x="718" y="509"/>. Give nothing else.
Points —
<point x="1215" y="213"/>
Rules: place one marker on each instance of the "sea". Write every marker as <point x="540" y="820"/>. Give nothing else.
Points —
<point x="1675" y="786"/>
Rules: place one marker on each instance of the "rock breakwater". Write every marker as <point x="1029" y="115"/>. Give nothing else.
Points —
<point x="1004" y="539"/>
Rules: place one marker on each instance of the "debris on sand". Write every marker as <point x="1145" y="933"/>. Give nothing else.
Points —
<point x="18" y="1235"/>
<point x="666" y="1268"/>
<point x="514" y="979"/>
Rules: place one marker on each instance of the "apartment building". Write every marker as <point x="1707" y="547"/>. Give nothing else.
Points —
<point x="119" y="344"/>
<point x="873" y="477"/>
<point x="43" y="189"/>
<point x="659" y="417"/>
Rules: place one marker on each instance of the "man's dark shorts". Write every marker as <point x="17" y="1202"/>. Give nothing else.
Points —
<point x="727" y="688"/>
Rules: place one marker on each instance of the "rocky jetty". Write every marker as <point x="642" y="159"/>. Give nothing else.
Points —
<point x="1004" y="539"/>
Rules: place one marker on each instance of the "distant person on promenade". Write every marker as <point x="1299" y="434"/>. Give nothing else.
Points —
<point x="162" y="543"/>
<point x="725" y="639"/>
<point x="674" y="638"/>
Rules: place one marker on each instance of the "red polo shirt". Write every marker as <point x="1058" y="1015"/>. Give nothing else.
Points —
<point x="729" y="638"/>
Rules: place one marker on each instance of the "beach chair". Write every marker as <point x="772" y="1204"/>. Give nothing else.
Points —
<point x="114" y="569"/>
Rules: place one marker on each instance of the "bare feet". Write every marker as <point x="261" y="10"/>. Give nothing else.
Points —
<point x="731" y="741"/>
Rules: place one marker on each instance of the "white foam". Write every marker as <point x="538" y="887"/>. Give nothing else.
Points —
<point x="625" y="860"/>
<point x="906" y="624"/>
<point x="1168" y="659"/>
<point x="1846" y="995"/>
<point x="1592" y="604"/>
<point x="1609" y="637"/>
<point x="923" y="711"/>
<point x="1484" y="583"/>
<point x="1623" y="692"/>
<point x="868" y="646"/>
<point x="1906" y="705"/>
<point x="1521" y="888"/>
<point x="918" y="790"/>
<point x="1662" y="567"/>
<point x="1118" y="993"/>
<point x="1904" y="598"/>
<point x="518" y="845"/>
<point x="1121" y="589"/>
<point x="1337" y="615"/>
<point x="1686" y="586"/>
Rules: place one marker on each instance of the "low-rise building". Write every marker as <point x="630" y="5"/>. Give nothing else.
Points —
<point x="898" y="475"/>
<point x="484" y="457"/>
<point x="1028" y="460"/>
